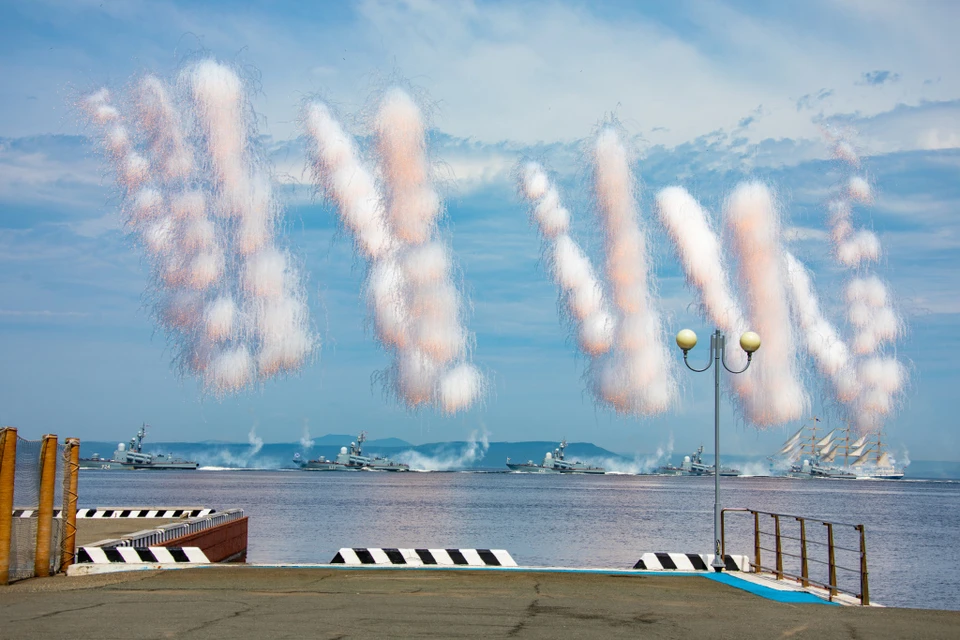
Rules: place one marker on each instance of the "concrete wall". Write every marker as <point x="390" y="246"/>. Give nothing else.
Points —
<point x="227" y="541"/>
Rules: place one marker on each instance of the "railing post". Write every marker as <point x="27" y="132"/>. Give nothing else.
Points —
<point x="776" y="519"/>
<point x="804" y="573"/>
<point x="723" y="534"/>
<point x="71" y="468"/>
<point x="864" y="578"/>
<point x="8" y="467"/>
<point x="758" y="568"/>
<point x="832" y="559"/>
<point x="48" y="479"/>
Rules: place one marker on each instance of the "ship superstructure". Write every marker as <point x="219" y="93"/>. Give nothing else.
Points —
<point x="555" y="462"/>
<point x="132" y="456"/>
<point x="693" y="465"/>
<point x="351" y="459"/>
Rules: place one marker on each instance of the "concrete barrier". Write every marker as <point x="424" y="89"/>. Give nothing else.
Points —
<point x="425" y="557"/>
<point x="688" y="562"/>
<point x="138" y="555"/>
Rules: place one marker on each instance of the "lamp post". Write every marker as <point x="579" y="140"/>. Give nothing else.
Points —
<point x="749" y="342"/>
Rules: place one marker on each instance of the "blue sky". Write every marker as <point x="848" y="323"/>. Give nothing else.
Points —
<point x="711" y="93"/>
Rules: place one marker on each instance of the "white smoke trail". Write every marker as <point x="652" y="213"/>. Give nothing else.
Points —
<point x="771" y="390"/>
<point x="636" y="377"/>
<point x="581" y="291"/>
<point x="698" y="246"/>
<point x="870" y="313"/>
<point x="201" y="204"/>
<point x="472" y="452"/>
<point x="638" y="465"/>
<point x="306" y="442"/>
<point x="416" y="307"/>
<point x="821" y="339"/>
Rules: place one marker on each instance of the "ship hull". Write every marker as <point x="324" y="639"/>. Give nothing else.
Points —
<point x="114" y="465"/>
<point x="529" y="468"/>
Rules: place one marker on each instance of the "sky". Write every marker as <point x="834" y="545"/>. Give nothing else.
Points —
<point x="709" y="94"/>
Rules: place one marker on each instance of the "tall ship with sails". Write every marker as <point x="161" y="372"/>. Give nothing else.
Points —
<point x="840" y="454"/>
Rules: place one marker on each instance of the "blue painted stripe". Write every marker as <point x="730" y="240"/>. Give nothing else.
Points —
<point x="793" y="597"/>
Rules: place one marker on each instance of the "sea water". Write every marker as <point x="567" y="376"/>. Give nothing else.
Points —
<point x="912" y="527"/>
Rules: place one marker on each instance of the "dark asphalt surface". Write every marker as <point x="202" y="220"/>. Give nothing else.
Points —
<point x="251" y="602"/>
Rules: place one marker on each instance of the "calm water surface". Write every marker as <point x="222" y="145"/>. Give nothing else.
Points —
<point x="913" y="527"/>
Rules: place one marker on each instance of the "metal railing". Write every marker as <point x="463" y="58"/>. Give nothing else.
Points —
<point x="167" y="532"/>
<point x="798" y="555"/>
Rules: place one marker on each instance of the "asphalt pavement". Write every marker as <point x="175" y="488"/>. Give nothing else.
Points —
<point x="254" y="602"/>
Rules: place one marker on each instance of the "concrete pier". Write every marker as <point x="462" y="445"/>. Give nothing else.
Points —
<point x="253" y="602"/>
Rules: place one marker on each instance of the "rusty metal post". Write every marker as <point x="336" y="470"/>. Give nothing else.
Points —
<point x="48" y="479"/>
<point x="8" y="467"/>
<point x="776" y="519"/>
<point x="832" y="559"/>
<point x="758" y="568"/>
<point x="804" y="571"/>
<point x="71" y="461"/>
<point x="723" y="536"/>
<point x="864" y="581"/>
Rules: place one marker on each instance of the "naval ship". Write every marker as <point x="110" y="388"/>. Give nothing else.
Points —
<point x="554" y="463"/>
<point x="837" y="455"/>
<point x="693" y="466"/>
<point x="351" y="459"/>
<point x="133" y="457"/>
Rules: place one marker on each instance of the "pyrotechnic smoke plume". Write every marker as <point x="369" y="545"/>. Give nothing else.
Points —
<point x="581" y="291"/>
<point x="636" y="376"/>
<point x="197" y="195"/>
<point x="630" y="369"/>
<point x="771" y="389"/>
<point x="870" y="314"/>
<point x="416" y="307"/>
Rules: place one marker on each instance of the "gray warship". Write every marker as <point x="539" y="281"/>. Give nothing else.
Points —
<point x="351" y="459"/>
<point x="555" y="463"/>
<point x="693" y="466"/>
<point x="133" y="457"/>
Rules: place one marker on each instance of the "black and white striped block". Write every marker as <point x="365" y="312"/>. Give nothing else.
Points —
<point x="425" y="557"/>
<point x="151" y="555"/>
<point x="688" y="562"/>
<point x="123" y="513"/>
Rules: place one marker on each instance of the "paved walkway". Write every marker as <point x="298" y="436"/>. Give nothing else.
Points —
<point x="251" y="602"/>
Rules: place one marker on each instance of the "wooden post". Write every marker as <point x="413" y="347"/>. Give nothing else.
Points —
<point x="71" y="460"/>
<point x="776" y="520"/>
<point x="804" y="571"/>
<point x="48" y="481"/>
<point x="8" y="467"/>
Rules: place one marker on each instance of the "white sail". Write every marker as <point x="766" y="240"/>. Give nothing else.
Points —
<point x="864" y="459"/>
<point x="884" y="460"/>
<point x="826" y="439"/>
<point x="829" y="456"/>
<point x="787" y="448"/>
<point x="792" y="440"/>
<point x="859" y="443"/>
<point x="856" y="453"/>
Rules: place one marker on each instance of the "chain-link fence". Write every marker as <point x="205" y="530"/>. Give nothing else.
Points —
<point x="26" y="498"/>
<point x="26" y="520"/>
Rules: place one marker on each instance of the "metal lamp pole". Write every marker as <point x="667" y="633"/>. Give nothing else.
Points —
<point x="749" y="342"/>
